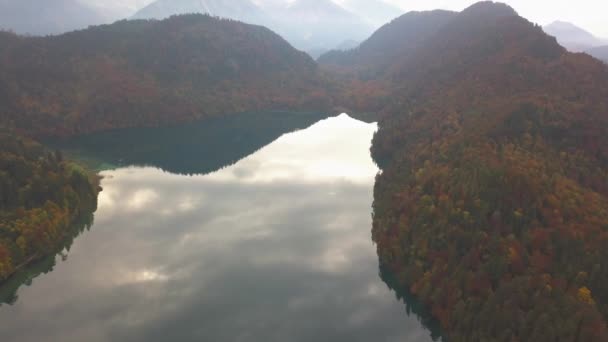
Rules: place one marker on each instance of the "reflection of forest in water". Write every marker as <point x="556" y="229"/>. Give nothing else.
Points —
<point x="25" y="276"/>
<point x="193" y="148"/>
<point x="412" y="305"/>
<point x="279" y="238"/>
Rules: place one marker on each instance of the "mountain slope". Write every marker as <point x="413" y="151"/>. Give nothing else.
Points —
<point x="242" y="10"/>
<point x="572" y="37"/>
<point x="46" y="17"/>
<point x="42" y="196"/>
<point x="364" y="71"/>
<point x="318" y="24"/>
<point x="392" y="41"/>
<point x="491" y="207"/>
<point x="135" y="73"/>
<point x="309" y="25"/>
<point x="600" y="52"/>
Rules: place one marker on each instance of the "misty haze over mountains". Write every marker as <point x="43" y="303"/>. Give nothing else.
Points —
<point x="576" y="39"/>
<point x="573" y="37"/>
<point x="46" y="17"/>
<point x="314" y="26"/>
<point x="243" y="10"/>
<point x="600" y="52"/>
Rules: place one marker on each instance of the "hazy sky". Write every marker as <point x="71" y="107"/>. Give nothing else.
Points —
<point x="588" y="14"/>
<point x="591" y="15"/>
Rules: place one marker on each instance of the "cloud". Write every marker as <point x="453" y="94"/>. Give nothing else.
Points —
<point x="273" y="252"/>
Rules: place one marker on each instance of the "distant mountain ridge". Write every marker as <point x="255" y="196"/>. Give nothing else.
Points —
<point x="573" y="37"/>
<point x="600" y="52"/>
<point x="392" y="41"/>
<point x="319" y="24"/>
<point x="242" y="10"/>
<point x="314" y="26"/>
<point x="49" y="17"/>
<point x="309" y="25"/>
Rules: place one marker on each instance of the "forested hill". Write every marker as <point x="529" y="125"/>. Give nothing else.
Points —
<point x="365" y="71"/>
<point x="492" y="206"/>
<point x="135" y="73"/>
<point x="41" y="197"/>
<point x="391" y="42"/>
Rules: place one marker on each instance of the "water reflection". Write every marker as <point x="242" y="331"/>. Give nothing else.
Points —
<point x="193" y="148"/>
<point x="413" y="306"/>
<point x="10" y="288"/>
<point x="274" y="248"/>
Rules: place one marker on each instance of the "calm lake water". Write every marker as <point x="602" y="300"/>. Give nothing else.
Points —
<point x="274" y="247"/>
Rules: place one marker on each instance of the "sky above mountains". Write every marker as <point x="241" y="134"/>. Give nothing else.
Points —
<point x="588" y="14"/>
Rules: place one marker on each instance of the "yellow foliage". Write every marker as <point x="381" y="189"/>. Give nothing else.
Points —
<point x="513" y="255"/>
<point x="22" y="243"/>
<point x="584" y="295"/>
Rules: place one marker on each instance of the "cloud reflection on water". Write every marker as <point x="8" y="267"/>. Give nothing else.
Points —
<point x="274" y="248"/>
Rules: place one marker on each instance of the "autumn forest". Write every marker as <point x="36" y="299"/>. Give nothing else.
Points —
<point x="491" y="206"/>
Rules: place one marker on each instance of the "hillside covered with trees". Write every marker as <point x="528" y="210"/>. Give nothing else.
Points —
<point x="393" y="41"/>
<point x="492" y="206"/>
<point x="149" y="72"/>
<point x="128" y="74"/>
<point x="41" y="197"/>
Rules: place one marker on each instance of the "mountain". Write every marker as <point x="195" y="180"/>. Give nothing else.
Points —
<point x="348" y="44"/>
<point x="392" y="41"/>
<point x="146" y="73"/>
<point x="600" y="52"/>
<point x="242" y="10"/>
<point x="36" y="17"/>
<point x="491" y="204"/>
<point x="317" y="24"/>
<point x="364" y="71"/>
<point x="375" y="12"/>
<point x="317" y="52"/>
<point x="309" y="25"/>
<point x="573" y="37"/>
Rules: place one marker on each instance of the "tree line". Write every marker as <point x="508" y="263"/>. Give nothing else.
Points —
<point x="41" y="196"/>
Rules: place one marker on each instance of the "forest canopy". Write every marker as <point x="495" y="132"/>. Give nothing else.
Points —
<point x="149" y="73"/>
<point x="41" y="196"/>
<point x="492" y="206"/>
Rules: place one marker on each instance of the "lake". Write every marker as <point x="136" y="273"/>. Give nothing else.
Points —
<point x="247" y="239"/>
